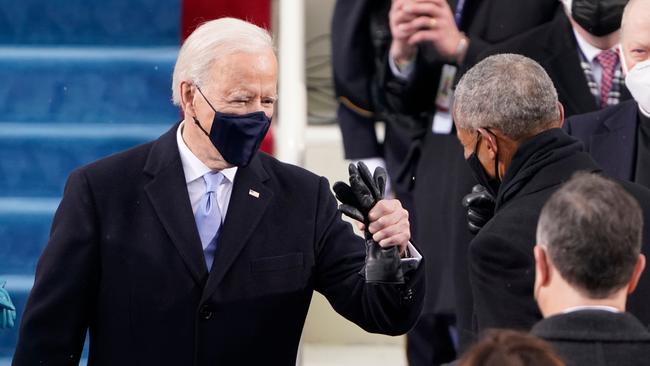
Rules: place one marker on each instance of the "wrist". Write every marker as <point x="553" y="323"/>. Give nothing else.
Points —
<point x="461" y="49"/>
<point x="402" y="55"/>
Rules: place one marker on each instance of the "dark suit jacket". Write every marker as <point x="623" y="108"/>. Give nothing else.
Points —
<point x="125" y="260"/>
<point x="553" y="45"/>
<point x="502" y="265"/>
<point x="596" y="337"/>
<point x="609" y="135"/>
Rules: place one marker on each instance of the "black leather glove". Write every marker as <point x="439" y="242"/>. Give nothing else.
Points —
<point x="480" y="208"/>
<point x="383" y="265"/>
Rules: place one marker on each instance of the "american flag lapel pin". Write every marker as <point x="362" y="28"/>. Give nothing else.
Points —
<point x="253" y="193"/>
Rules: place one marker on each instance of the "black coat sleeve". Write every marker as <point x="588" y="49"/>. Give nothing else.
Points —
<point x="340" y="254"/>
<point x="59" y="307"/>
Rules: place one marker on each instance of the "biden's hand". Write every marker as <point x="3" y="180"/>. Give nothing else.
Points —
<point x="389" y="225"/>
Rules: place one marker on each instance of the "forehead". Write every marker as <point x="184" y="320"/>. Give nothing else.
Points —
<point x="243" y="69"/>
<point x="637" y="27"/>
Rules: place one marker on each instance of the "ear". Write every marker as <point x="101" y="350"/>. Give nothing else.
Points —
<point x="561" y="109"/>
<point x="187" y="97"/>
<point x="542" y="269"/>
<point x="491" y="142"/>
<point x="636" y="274"/>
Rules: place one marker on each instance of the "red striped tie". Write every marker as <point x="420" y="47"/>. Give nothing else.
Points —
<point x="607" y="60"/>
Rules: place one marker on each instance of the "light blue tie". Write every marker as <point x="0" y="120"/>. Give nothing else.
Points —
<point x="208" y="217"/>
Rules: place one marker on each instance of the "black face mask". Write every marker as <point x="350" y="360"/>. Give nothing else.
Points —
<point x="237" y="137"/>
<point x="598" y="17"/>
<point x="491" y="184"/>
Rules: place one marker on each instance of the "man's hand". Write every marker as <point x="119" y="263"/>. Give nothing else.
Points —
<point x="480" y="208"/>
<point x="388" y="229"/>
<point x="389" y="225"/>
<point x="400" y="50"/>
<point x="417" y="21"/>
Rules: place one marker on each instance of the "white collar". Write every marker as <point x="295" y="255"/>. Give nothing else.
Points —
<point x="611" y="309"/>
<point x="193" y="167"/>
<point x="588" y="50"/>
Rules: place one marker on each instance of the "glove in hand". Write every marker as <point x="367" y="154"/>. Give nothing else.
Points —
<point x="7" y="309"/>
<point x="480" y="208"/>
<point x="383" y="265"/>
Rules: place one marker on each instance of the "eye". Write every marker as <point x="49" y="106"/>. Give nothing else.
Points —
<point x="268" y="101"/>
<point x="239" y="100"/>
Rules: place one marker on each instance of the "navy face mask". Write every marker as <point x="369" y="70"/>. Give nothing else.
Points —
<point x="491" y="184"/>
<point x="598" y="17"/>
<point x="237" y="137"/>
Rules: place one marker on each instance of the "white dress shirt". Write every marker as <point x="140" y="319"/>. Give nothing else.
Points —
<point x="611" y="309"/>
<point x="194" y="170"/>
<point x="591" y="52"/>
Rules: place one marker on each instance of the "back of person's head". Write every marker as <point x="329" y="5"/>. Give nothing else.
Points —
<point x="510" y="348"/>
<point x="591" y="230"/>
<point x="508" y="92"/>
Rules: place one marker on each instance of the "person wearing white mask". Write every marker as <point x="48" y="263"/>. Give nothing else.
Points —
<point x="618" y="138"/>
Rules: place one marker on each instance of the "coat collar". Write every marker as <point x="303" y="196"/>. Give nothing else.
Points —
<point x="592" y="325"/>
<point x="545" y="160"/>
<point x="167" y="192"/>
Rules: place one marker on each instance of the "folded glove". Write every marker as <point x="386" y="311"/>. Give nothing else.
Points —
<point x="7" y="309"/>
<point x="480" y="208"/>
<point x="383" y="265"/>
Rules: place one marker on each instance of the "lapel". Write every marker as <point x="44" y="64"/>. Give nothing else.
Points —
<point x="167" y="192"/>
<point x="563" y="66"/>
<point x="244" y="214"/>
<point x="614" y="149"/>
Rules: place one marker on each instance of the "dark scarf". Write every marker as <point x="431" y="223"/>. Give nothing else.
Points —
<point x="532" y="156"/>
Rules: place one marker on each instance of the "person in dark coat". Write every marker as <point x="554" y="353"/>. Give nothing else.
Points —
<point x="418" y="75"/>
<point x="587" y="260"/>
<point x="618" y="137"/>
<point x="194" y="249"/>
<point x="578" y="50"/>
<point x="508" y="120"/>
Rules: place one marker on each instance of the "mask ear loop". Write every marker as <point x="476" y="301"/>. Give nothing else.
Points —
<point x="496" y="155"/>
<point x="196" y="121"/>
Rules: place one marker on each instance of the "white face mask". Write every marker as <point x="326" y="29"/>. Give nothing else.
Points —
<point x="637" y="81"/>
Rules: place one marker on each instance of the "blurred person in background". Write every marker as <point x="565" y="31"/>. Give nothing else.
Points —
<point x="618" y="137"/>
<point x="510" y="348"/>
<point x="579" y="51"/>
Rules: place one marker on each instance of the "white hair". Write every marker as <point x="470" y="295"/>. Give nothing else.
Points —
<point x="211" y="41"/>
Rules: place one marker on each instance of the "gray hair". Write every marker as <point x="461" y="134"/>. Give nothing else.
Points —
<point x="591" y="228"/>
<point x="511" y="93"/>
<point x="211" y="41"/>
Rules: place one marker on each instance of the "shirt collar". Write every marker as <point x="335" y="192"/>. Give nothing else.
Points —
<point x="193" y="167"/>
<point x="611" y="309"/>
<point x="588" y="50"/>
